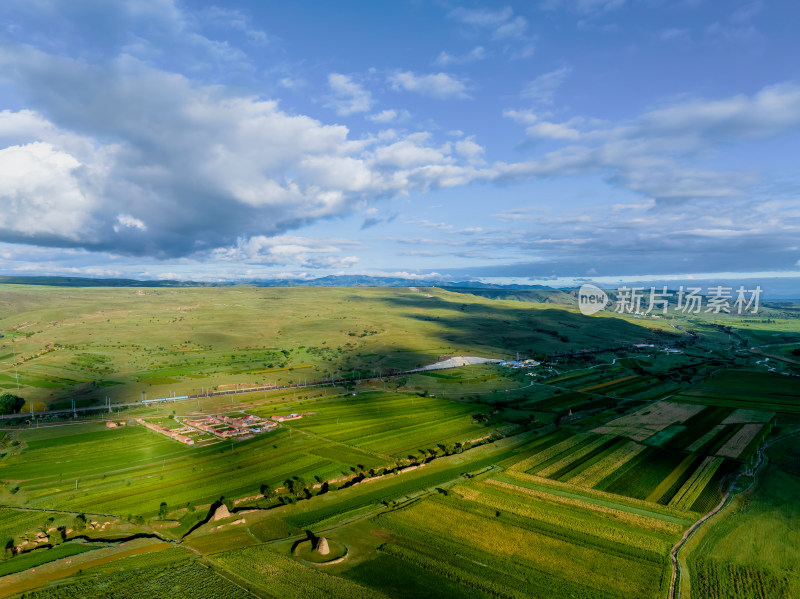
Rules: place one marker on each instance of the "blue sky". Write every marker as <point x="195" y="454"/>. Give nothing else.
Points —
<point x="533" y="141"/>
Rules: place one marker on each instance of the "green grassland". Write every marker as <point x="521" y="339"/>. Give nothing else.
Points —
<point x="479" y="481"/>
<point x="78" y="342"/>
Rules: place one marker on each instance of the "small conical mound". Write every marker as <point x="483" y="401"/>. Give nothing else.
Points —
<point x="221" y="513"/>
<point x="322" y="546"/>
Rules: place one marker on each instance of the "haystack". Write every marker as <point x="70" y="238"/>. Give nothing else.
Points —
<point x="221" y="513"/>
<point x="322" y="546"/>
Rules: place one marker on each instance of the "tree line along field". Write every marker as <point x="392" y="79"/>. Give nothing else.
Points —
<point x="322" y="508"/>
<point x="131" y="470"/>
<point x="89" y="343"/>
<point x="494" y="535"/>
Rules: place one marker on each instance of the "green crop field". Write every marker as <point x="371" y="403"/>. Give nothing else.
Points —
<point x="130" y="470"/>
<point x="390" y="425"/>
<point x="43" y="556"/>
<point x="180" y="580"/>
<point x="492" y="545"/>
<point x="574" y="478"/>
<point x="753" y="551"/>
<point x="619" y="466"/>
<point x="277" y="574"/>
<point x="747" y="390"/>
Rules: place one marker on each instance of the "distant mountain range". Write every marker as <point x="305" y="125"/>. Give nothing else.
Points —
<point x="774" y="289"/>
<point x="328" y="281"/>
<point x="90" y="282"/>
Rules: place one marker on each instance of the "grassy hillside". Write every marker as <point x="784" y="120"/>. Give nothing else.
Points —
<point x="89" y="343"/>
<point x="537" y="296"/>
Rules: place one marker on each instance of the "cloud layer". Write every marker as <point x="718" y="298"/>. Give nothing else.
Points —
<point x="656" y="154"/>
<point x="241" y="139"/>
<point x="146" y="162"/>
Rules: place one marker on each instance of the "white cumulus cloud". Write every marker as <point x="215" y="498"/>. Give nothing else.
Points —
<point x="129" y="222"/>
<point x="199" y="165"/>
<point x="289" y="250"/>
<point x="445" y="58"/>
<point x="42" y="194"/>
<point x="436" y="85"/>
<point x="389" y="116"/>
<point x="348" y="96"/>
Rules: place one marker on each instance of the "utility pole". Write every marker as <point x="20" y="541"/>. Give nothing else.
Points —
<point x="16" y="369"/>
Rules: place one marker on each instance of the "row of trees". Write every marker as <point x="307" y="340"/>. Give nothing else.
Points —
<point x="298" y="488"/>
<point x="10" y="403"/>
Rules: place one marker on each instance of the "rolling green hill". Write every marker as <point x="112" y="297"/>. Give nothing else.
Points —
<point x="89" y="343"/>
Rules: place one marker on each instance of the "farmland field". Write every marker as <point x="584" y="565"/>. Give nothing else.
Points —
<point x="574" y="478"/>
<point x="621" y="466"/>
<point x="180" y="580"/>
<point x="128" y="470"/>
<point x="746" y="390"/>
<point x="484" y="538"/>
<point x="753" y="551"/>
<point x="391" y="425"/>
